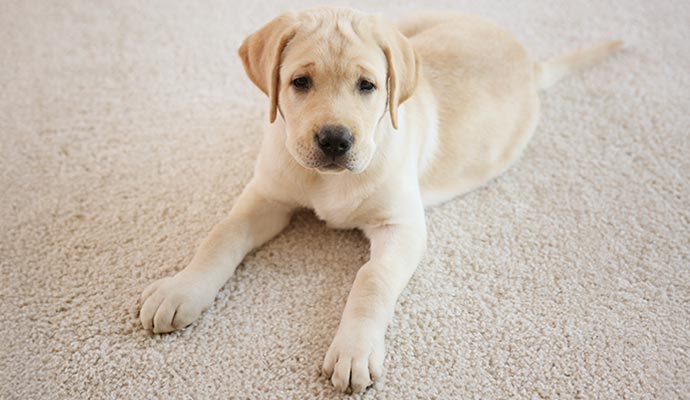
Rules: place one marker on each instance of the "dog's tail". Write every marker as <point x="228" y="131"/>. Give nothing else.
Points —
<point x="552" y="71"/>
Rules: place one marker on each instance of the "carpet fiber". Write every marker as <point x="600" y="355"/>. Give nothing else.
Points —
<point x="128" y="129"/>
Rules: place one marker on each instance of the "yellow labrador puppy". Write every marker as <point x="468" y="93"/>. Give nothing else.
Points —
<point x="370" y="123"/>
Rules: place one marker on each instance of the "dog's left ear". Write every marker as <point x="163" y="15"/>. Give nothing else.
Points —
<point x="261" y="53"/>
<point x="403" y="67"/>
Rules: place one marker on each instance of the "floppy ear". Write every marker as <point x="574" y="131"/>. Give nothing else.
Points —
<point x="261" y="53"/>
<point x="403" y="68"/>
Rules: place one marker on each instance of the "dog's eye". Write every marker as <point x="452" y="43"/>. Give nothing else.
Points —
<point x="365" y="86"/>
<point x="302" y="83"/>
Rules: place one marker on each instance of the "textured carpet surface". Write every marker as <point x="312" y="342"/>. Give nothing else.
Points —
<point x="127" y="130"/>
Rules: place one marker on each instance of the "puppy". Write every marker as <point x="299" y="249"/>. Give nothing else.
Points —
<point x="370" y="123"/>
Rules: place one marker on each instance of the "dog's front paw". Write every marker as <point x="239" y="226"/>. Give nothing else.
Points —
<point x="355" y="358"/>
<point x="175" y="302"/>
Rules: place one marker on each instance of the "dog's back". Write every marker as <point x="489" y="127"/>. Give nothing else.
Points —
<point x="482" y="83"/>
<point x="485" y="88"/>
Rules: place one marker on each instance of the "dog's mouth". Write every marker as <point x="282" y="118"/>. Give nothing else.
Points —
<point x="331" y="168"/>
<point x="317" y="161"/>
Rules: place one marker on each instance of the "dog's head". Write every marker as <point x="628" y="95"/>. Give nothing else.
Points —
<point x="333" y="75"/>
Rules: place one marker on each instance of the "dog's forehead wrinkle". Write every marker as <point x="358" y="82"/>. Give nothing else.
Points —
<point x="334" y="59"/>
<point x="346" y="28"/>
<point x="335" y="28"/>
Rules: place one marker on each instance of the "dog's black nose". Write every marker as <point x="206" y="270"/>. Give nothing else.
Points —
<point x="334" y="140"/>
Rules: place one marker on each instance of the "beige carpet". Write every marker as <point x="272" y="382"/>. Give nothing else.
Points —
<point x="127" y="130"/>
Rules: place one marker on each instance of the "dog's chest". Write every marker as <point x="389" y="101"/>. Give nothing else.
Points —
<point x="338" y="213"/>
<point x="340" y="209"/>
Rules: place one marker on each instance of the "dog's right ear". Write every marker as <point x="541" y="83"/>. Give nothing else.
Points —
<point x="261" y="53"/>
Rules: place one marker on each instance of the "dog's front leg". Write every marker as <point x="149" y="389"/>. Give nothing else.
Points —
<point x="355" y="358"/>
<point x="175" y="302"/>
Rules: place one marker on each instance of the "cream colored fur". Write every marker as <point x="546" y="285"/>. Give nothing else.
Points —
<point x="456" y="103"/>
